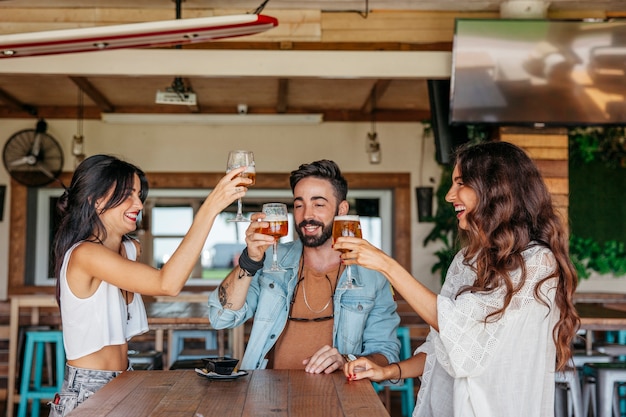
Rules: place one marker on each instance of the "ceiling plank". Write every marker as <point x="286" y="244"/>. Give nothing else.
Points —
<point x="14" y="104"/>
<point x="94" y="94"/>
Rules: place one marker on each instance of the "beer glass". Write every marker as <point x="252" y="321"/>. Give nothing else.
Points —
<point x="277" y="217"/>
<point x="348" y="225"/>
<point x="238" y="159"/>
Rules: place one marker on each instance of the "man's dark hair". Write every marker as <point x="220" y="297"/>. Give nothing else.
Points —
<point x="324" y="169"/>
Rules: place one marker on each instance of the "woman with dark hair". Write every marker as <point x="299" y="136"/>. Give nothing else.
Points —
<point x="99" y="283"/>
<point x="504" y="320"/>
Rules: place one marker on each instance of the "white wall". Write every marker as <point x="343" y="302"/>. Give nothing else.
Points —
<point x="277" y="149"/>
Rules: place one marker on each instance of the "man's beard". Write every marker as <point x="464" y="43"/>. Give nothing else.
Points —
<point x="314" y="241"/>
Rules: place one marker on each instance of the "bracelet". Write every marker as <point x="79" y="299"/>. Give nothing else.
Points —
<point x="399" y="370"/>
<point x="248" y="264"/>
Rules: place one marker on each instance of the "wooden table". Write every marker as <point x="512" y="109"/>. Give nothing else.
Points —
<point x="278" y="393"/>
<point x="599" y="317"/>
<point x="166" y="315"/>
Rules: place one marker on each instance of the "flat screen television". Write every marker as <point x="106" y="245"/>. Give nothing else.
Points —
<point x="538" y="72"/>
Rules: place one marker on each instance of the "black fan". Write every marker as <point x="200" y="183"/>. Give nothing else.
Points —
<point x="33" y="157"/>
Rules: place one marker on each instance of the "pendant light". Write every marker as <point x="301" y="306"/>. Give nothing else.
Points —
<point x="78" y="144"/>
<point x="372" y="146"/>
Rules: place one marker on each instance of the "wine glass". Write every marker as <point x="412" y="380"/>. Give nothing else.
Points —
<point x="347" y="225"/>
<point x="277" y="217"/>
<point x="238" y="159"/>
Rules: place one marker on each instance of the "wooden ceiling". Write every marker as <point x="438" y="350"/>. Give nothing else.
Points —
<point x="338" y="25"/>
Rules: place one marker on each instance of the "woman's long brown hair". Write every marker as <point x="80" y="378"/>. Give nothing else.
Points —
<point x="515" y="209"/>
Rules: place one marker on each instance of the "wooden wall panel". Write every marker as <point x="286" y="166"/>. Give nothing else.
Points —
<point x="549" y="150"/>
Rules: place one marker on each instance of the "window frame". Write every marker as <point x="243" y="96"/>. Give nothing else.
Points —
<point x="397" y="183"/>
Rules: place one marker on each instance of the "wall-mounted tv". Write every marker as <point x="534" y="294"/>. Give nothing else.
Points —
<point x="538" y="72"/>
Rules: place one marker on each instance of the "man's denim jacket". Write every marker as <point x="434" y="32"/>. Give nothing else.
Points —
<point x="365" y="319"/>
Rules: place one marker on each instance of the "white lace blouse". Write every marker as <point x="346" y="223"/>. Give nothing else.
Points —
<point x="504" y="368"/>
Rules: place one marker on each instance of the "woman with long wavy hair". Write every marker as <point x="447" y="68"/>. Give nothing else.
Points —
<point x="504" y="320"/>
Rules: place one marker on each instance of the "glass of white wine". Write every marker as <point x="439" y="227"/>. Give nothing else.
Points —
<point x="238" y="159"/>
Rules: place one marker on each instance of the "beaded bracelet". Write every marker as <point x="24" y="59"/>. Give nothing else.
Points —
<point x="249" y="265"/>
<point x="399" y="370"/>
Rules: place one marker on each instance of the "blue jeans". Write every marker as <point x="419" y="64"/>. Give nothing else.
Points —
<point x="78" y="385"/>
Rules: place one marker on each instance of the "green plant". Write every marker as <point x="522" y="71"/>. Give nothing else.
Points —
<point x="604" y="144"/>
<point x="586" y="145"/>
<point x="589" y="256"/>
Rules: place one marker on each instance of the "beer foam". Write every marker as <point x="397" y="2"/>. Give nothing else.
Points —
<point x="347" y="217"/>
<point x="275" y="218"/>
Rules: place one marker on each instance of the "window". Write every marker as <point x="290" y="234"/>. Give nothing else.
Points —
<point x="168" y="214"/>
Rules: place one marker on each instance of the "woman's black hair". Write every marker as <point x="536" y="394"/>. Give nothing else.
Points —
<point x="95" y="179"/>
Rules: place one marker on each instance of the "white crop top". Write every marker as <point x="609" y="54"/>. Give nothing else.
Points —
<point x="89" y="324"/>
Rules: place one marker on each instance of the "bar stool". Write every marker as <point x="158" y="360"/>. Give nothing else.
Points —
<point x="605" y="377"/>
<point x="579" y="360"/>
<point x="568" y="393"/>
<point x="145" y="361"/>
<point x="178" y="345"/>
<point x="48" y="354"/>
<point x="35" y="345"/>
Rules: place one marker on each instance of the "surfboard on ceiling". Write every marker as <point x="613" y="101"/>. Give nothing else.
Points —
<point x="134" y="35"/>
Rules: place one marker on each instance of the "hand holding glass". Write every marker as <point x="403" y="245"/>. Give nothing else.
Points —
<point x="277" y="216"/>
<point x="348" y="225"/>
<point x="238" y="159"/>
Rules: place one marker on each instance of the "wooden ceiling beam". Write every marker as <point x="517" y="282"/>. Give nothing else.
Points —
<point x="94" y="113"/>
<point x="378" y="89"/>
<point x="15" y="105"/>
<point x="283" y="90"/>
<point x="93" y="93"/>
<point x="324" y="46"/>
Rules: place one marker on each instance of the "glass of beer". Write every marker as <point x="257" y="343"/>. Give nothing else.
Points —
<point x="277" y="217"/>
<point x="347" y="225"/>
<point x="238" y="159"/>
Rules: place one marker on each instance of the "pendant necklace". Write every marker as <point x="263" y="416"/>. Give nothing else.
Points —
<point x="126" y="302"/>
<point x="125" y="292"/>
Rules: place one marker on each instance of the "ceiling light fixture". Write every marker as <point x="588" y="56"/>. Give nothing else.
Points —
<point x="177" y="93"/>
<point x="372" y="146"/>
<point x="212" y="119"/>
<point x="78" y="141"/>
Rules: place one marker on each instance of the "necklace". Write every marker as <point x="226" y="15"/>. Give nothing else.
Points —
<point x="125" y="293"/>
<point x="332" y="290"/>
<point x="306" y="302"/>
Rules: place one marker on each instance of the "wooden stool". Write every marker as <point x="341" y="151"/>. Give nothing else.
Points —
<point x="35" y="345"/>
